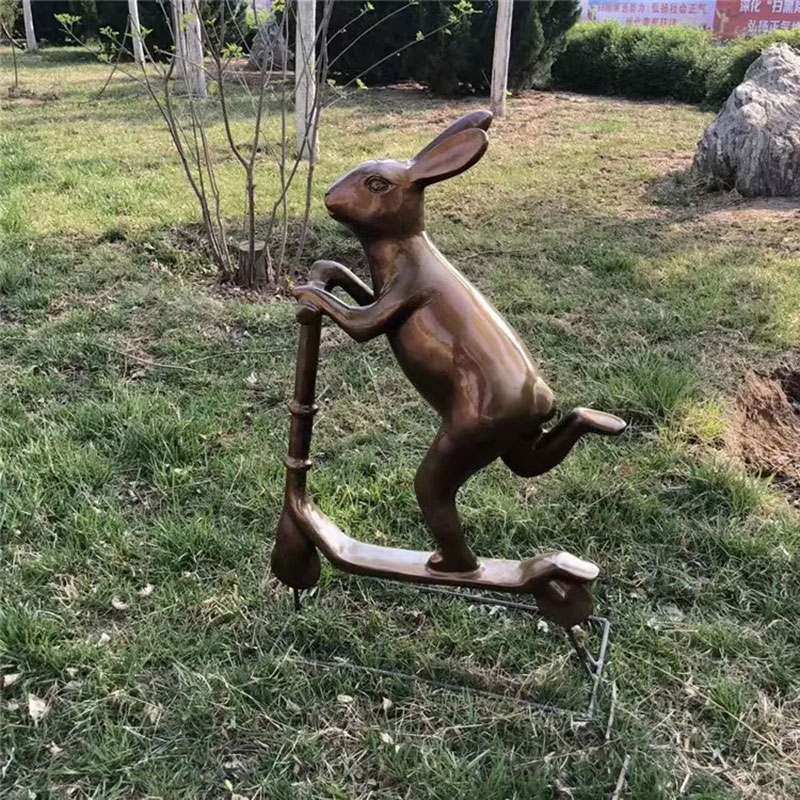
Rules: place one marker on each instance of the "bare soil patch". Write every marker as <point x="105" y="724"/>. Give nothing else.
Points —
<point x="734" y="206"/>
<point x="24" y="97"/>
<point x="671" y="162"/>
<point x="238" y="71"/>
<point x="765" y="432"/>
<point x="773" y="221"/>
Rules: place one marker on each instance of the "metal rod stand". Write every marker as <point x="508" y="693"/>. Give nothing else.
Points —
<point x="595" y="666"/>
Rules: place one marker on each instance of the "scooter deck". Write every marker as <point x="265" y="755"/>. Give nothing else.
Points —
<point x="362" y="558"/>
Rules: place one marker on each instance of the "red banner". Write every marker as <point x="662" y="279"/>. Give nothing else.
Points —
<point x="736" y="18"/>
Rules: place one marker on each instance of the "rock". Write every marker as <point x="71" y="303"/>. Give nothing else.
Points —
<point x="753" y="145"/>
<point x="269" y="46"/>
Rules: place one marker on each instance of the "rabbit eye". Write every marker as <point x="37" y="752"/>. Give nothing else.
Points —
<point x="377" y="185"/>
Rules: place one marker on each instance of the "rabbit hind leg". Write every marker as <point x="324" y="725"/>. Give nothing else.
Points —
<point x="541" y="451"/>
<point x="449" y="462"/>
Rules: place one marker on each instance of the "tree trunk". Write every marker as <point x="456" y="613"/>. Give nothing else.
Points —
<point x="194" y="69"/>
<point x="252" y="274"/>
<point x="136" y="35"/>
<point x="502" y="51"/>
<point x="14" y="60"/>
<point x="30" y="34"/>
<point x="305" y="81"/>
<point x="179" y="35"/>
<point x="189" y="47"/>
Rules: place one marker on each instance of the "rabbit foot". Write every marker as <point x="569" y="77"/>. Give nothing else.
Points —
<point x="464" y="562"/>
<point x="600" y="422"/>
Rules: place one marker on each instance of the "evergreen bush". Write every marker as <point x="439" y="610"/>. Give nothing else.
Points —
<point x="679" y="63"/>
<point x="728" y="72"/>
<point x="445" y="44"/>
<point x="154" y="16"/>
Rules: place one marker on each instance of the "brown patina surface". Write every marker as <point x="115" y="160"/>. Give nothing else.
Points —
<point x="464" y="359"/>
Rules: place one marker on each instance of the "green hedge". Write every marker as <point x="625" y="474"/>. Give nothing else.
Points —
<point x="636" y="61"/>
<point x="728" y="71"/>
<point x="681" y="63"/>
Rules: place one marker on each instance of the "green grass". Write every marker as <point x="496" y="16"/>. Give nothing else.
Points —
<point x="142" y="426"/>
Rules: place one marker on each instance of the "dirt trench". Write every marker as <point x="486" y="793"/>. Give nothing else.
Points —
<point x="765" y="430"/>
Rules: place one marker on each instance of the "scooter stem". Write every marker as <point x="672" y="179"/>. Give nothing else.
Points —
<point x="294" y="558"/>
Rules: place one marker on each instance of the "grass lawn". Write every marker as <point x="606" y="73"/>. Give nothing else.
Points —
<point x="143" y="424"/>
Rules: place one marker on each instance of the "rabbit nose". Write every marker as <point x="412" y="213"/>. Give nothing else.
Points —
<point x="330" y="200"/>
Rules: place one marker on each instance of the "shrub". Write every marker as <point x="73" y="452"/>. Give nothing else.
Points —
<point x="588" y="63"/>
<point x="671" y="62"/>
<point x="637" y="61"/>
<point x="449" y="61"/>
<point x="454" y="54"/>
<point x="681" y="63"/>
<point x="396" y="24"/>
<point x="95" y="15"/>
<point x="728" y="72"/>
<point x="538" y="34"/>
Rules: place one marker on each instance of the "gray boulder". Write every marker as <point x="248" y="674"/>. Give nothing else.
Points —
<point x="269" y="47"/>
<point x="753" y="145"/>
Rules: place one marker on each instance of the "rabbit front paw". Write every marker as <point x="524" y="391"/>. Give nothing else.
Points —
<point x="308" y="296"/>
<point x="311" y="302"/>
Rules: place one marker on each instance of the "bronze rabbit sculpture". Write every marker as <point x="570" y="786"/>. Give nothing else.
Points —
<point x="452" y="344"/>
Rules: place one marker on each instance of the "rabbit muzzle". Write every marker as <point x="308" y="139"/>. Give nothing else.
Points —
<point x="336" y="201"/>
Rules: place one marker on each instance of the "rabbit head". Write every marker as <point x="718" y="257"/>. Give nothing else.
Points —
<point x="382" y="198"/>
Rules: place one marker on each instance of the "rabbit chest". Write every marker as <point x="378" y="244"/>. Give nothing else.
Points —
<point x="462" y="355"/>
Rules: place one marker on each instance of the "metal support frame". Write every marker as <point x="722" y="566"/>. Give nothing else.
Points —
<point x="562" y="591"/>
<point x="595" y="666"/>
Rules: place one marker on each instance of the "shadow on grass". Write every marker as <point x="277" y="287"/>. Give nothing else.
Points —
<point x="678" y="188"/>
<point x="59" y="57"/>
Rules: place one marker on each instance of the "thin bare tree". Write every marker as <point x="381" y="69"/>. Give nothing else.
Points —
<point x="9" y="11"/>
<point x="255" y="254"/>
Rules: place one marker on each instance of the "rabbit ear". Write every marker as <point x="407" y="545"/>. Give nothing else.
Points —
<point x="477" y="119"/>
<point x="449" y="157"/>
